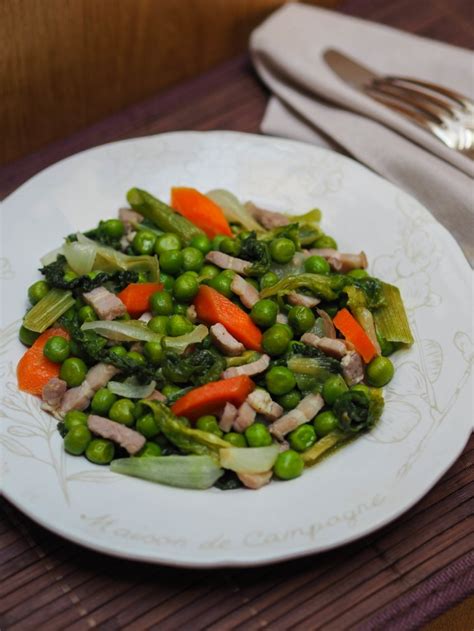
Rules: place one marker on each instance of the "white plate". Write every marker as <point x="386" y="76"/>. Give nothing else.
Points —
<point x="424" y="428"/>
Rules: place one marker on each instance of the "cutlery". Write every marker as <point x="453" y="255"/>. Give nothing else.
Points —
<point x="445" y="113"/>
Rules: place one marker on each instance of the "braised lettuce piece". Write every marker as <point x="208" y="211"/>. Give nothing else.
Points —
<point x="234" y="211"/>
<point x="356" y="412"/>
<point x="327" y="287"/>
<point x="202" y="366"/>
<point x="255" y="251"/>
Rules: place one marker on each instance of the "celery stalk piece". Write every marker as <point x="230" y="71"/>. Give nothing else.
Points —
<point x="322" y="446"/>
<point x="391" y="319"/>
<point x="48" y="310"/>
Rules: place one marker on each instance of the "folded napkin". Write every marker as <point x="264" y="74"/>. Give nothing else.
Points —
<point x="312" y="103"/>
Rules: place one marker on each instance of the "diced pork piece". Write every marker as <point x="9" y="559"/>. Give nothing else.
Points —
<point x="245" y="291"/>
<point x="52" y="395"/>
<point x="255" y="480"/>
<point x="267" y="218"/>
<point x="191" y="313"/>
<point x="228" y="262"/>
<point x="224" y="341"/>
<point x="283" y="446"/>
<point x="79" y="398"/>
<point x="156" y="395"/>
<point x="228" y="417"/>
<point x="127" y="438"/>
<point x="262" y="403"/>
<point x="302" y="413"/>
<point x="282" y="318"/>
<point x="145" y="317"/>
<point x="352" y="368"/>
<point x="245" y="417"/>
<point x="254" y="368"/>
<point x="328" y="326"/>
<point x="340" y="261"/>
<point x="332" y="347"/>
<point x="129" y="216"/>
<point x="294" y="298"/>
<point x="105" y="303"/>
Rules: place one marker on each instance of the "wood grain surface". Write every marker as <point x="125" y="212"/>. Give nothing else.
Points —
<point x="64" y="65"/>
<point x="400" y="578"/>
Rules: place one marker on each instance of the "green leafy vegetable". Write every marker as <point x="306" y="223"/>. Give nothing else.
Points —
<point x="391" y="319"/>
<point x="201" y="366"/>
<point x="180" y="343"/>
<point x="131" y="389"/>
<point x="54" y="275"/>
<point x="327" y="287"/>
<point x="187" y="472"/>
<point x="356" y="411"/>
<point x="48" y="310"/>
<point x="247" y="357"/>
<point x="249" y="459"/>
<point x="373" y="291"/>
<point x="257" y="253"/>
<point x="234" y="211"/>
<point x="122" y="330"/>
<point x="162" y="215"/>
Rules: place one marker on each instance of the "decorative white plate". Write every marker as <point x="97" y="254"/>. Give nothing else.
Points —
<point x="424" y="428"/>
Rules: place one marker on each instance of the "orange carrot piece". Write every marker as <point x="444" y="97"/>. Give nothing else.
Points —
<point x="345" y="322"/>
<point x="212" y="397"/>
<point x="202" y="211"/>
<point x="212" y="307"/>
<point x="136" y="297"/>
<point x="34" y="370"/>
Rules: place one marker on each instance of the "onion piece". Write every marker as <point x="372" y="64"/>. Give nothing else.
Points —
<point x="233" y="210"/>
<point x="180" y="343"/>
<point x="50" y="257"/>
<point x="122" y="331"/>
<point x="80" y="256"/>
<point x="131" y="389"/>
<point x="249" y="459"/>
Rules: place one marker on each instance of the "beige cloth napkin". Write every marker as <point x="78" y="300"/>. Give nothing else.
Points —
<point x="315" y="105"/>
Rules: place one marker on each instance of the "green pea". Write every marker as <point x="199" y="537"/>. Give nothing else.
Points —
<point x="136" y="358"/>
<point x="380" y="371"/>
<point x="122" y="412"/>
<point x="289" y="465"/>
<point x="325" y="422"/>
<point x="77" y="439"/>
<point x="302" y="438"/>
<point x="386" y="347"/>
<point x="171" y="262"/>
<point x="87" y="314"/>
<point x="202" y="243"/>
<point x="185" y="287"/>
<point x="264" y="313"/>
<point x="180" y="309"/>
<point x="37" y="291"/>
<point x="257" y="435"/>
<point x="209" y="424"/>
<point x="280" y="380"/>
<point x="333" y="387"/>
<point x="100" y="451"/>
<point x="325" y="242"/>
<point x="301" y="319"/>
<point x="69" y="276"/>
<point x="276" y="339"/>
<point x="158" y="324"/>
<point x="222" y="283"/>
<point x="289" y="400"/>
<point x="360" y="387"/>
<point x="230" y="246"/>
<point x="149" y="450"/>
<point x="119" y="351"/>
<point x="268" y="280"/>
<point x="147" y="426"/>
<point x="235" y="439"/>
<point x="358" y="273"/>
<point x="167" y="281"/>
<point x="144" y="242"/>
<point x="282" y="250"/>
<point x="179" y="325"/>
<point x="209" y="271"/>
<point x="161" y="303"/>
<point x="169" y="390"/>
<point x="56" y="349"/>
<point x="74" y="418"/>
<point x="192" y="259"/>
<point x="113" y="228"/>
<point x="102" y="401"/>
<point x="73" y="371"/>
<point x="216" y="241"/>
<point x="153" y="352"/>
<point x="316" y="265"/>
<point x="166" y="242"/>
<point x="27" y="337"/>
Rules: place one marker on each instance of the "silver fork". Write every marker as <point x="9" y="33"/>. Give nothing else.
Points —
<point x="445" y="113"/>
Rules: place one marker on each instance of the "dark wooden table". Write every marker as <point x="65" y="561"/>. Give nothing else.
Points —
<point x="401" y="577"/>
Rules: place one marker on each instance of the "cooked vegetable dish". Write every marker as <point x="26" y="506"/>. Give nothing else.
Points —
<point x="209" y="342"/>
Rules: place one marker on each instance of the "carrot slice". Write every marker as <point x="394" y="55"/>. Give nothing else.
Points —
<point x="34" y="370"/>
<point x="345" y="322"/>
<point x="136" y="297"/>
<point x="202" y="211"/>
<point x="212" y="397"/>
<point x="212" y="307"/>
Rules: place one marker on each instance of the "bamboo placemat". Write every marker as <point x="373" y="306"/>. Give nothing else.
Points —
<point x="401" y="577"/>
